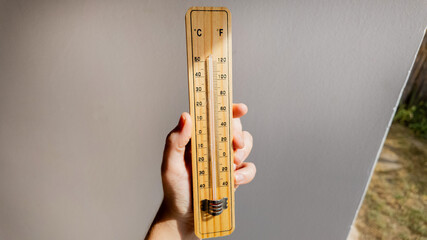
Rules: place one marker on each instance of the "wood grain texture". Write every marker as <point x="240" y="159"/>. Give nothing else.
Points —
<point x="208" y="31"/>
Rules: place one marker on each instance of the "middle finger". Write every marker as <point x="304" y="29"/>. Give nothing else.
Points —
<point x="241" y="154"/>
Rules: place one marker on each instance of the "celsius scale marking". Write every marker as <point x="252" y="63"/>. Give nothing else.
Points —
<point x="209" y="80"/>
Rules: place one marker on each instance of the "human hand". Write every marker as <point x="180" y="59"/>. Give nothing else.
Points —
<point x="175" y="217"/>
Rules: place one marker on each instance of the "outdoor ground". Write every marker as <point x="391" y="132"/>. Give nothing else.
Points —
<point x="395" y="206"/>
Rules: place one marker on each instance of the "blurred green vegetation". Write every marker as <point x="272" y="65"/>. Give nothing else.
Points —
<point x="414" y="117"/>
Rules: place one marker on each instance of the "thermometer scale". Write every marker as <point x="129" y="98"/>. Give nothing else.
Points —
<point x="208" y="31"/>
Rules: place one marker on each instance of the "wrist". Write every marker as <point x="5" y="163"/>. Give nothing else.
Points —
<point x="168" y="225"/>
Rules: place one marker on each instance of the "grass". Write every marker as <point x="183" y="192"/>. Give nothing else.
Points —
<point x="395" y="206"/>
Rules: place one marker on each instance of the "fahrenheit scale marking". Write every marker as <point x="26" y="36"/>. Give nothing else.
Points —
<point x="209" y="77"/>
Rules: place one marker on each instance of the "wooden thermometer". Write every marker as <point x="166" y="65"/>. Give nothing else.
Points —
<point x="209" y="81"/>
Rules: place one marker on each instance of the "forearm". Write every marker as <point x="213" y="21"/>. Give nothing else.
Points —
<point x="165" y="226"/>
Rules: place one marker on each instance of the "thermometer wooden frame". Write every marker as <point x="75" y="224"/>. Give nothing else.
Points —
<point x="208" y="32"/>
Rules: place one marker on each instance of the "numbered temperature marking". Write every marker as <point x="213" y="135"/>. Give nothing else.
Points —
<point x="210" y="93"/>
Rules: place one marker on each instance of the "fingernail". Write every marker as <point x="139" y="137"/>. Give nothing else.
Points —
<point x="238" y="178"/>
<point x="234" y="166"/>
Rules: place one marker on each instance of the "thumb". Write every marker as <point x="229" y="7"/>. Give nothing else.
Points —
<point x="177" y="139"/>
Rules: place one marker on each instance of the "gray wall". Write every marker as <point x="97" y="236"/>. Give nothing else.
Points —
<point x="89" y="89"/>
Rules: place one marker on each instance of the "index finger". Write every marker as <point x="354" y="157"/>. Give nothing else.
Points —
<point x="239" y="110"/>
